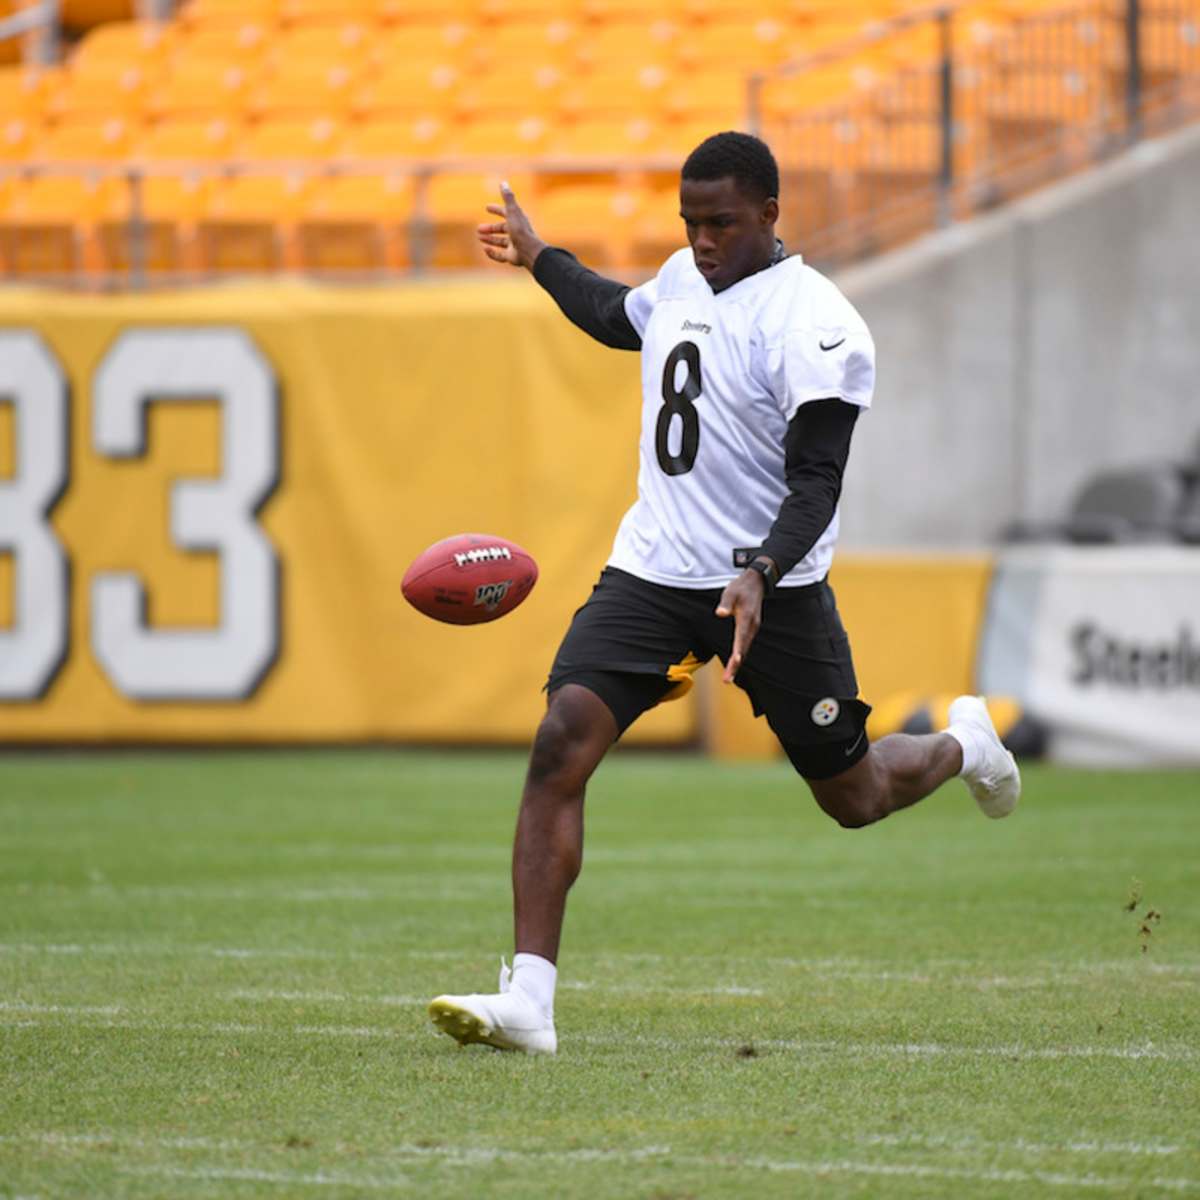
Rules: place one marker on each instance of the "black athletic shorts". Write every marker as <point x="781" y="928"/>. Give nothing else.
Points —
<point x="636" y="643"/>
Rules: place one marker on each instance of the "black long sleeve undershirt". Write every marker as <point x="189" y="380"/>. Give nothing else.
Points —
<point x="816" y="447"/>
<point x="595" y="304"/>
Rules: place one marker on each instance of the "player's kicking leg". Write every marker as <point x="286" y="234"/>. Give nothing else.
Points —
<point x="900" y="770"/>
<point x="574" y="736"/>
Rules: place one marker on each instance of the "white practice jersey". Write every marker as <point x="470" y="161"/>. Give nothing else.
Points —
<point x="722" y="376"/>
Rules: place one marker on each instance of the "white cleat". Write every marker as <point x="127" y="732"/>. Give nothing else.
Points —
<point x="510" y="1020"/>
<point x="996" y="782"/>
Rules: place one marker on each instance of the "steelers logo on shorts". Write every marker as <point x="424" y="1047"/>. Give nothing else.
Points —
<point x="825" y="712"/>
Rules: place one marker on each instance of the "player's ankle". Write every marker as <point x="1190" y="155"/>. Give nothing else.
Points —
<point x="536" y="977"/>
<point x="972" y="751"/>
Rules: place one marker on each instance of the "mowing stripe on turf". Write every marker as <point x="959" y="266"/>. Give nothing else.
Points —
<point x="1147" y="1051"/>
<point x="1056" y="973"/>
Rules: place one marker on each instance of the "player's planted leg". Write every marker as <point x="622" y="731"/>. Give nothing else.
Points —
<point x="574" y="736"/>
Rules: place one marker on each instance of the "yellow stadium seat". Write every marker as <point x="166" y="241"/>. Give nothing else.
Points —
<point x="84" y="139"/>
<point x="22" y="91"/>
<point x="304" y="88"/>
<point x="620" y="91"/>
<point x="326" y="12"/>
<point x="141" y="43"/>
<point x="357" y="223"/>
<point x="593" y="221"/>
<point x="102" y="86"/>
<point x="533" y="43"/>
<point x="452" y="206"/>
<point x="248" y="224"/>
<point x="636" y="42"/>
<point x="793" y="95"/>
<point x="413" y="89"/>
<point x="503" y="138"/>
<point x="405" y="12"/>
<point x="745" y="45"/>
<point x="348" y="42"/>
<point x="463" y="196"/>
<point x="656" y="230"/>
<point x="16" y="138"/>
<point x="240" y="43"/>
<point x="168" y="207"/>
<point x="721" y="95"/>
<point x="677" y="139"/>
<point x="390" y="139"/>
<point x="707" y="10"/>
<point x="199" y="88"/>
<point x="510" y="90"/>
<point x="519" y="10"/>
<point x="46" y="227"/>
<point x="184" y="140"/>
<point x="622" y="139"/>
<point x="229" y="12"/>
<point x="431" y="42"/>
<point x="289" y="141"/>
<point x="599" y="11"/>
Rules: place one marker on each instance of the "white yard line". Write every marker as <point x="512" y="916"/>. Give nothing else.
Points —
<point x="265" y="995"/>
<point x="114" y="1138"/>
<point x="23" y="1006"/>
<point x="283" y="1178"/>
<point x="482" y="1156"/>
<point x="1018" y="1145"/>
<point x="813" y="1168"/>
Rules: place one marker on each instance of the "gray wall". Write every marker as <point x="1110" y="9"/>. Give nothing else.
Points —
<point x="1020" y="352"/>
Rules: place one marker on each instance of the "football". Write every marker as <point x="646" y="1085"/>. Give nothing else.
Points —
<point x="469" y="578"/>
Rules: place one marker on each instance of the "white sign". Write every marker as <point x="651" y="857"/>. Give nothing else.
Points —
<point x="1103" y="644"/>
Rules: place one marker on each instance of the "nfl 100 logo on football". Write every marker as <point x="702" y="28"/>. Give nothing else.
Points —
<point x="489" y="595"/>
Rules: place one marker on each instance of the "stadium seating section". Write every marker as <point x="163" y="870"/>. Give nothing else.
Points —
<point x="359" y="135"/>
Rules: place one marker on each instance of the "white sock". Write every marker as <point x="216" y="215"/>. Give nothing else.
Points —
<point x="972" y="752"/>
<point x="536" y="976"/>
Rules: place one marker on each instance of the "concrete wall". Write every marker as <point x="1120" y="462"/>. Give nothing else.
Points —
<point x="1021" y="352"/>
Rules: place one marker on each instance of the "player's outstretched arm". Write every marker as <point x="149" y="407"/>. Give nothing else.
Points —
<point x="511" y="239"/>
<point x="595" y="304"/>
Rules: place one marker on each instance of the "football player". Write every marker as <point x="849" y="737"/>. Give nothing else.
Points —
<point x="755" y="370"/>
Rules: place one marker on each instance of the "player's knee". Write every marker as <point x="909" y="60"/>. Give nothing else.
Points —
<point x="854" y="801"/>
<point x="856" y="815"/>
<point x="560" y="752"/>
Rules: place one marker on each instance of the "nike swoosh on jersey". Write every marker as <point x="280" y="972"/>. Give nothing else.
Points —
<point x="832" y="346"/>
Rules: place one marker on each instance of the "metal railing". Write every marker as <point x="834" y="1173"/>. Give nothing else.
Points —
<point x="43" y="22"/>
<point x="993" y="113"/>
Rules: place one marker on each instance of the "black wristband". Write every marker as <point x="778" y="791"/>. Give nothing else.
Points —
<point x="767" y="570"/>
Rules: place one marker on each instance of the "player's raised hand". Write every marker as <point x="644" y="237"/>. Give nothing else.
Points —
<point x="510" y="240"/>
<point x="742" y="600"/>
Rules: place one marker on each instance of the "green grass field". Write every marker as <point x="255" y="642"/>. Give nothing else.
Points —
<point x="213" y="972"/>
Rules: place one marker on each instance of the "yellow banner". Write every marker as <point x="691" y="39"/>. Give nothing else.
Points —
<point x="208" y="500"/>
<point x="213" y="496"/>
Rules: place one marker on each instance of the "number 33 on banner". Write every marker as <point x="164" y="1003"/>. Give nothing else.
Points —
<point x="163" y="365"/>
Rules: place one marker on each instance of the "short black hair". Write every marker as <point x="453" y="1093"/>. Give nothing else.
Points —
<point x="741" y="155"/>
